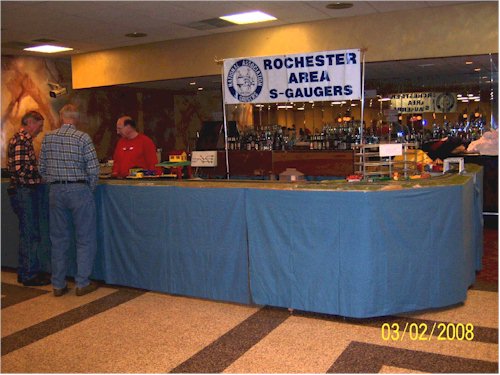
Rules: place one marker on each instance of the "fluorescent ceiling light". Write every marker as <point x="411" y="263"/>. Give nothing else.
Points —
<point x="248" y="17"/>
<point x="285" y="106"/>
<point x="47" y="48"/>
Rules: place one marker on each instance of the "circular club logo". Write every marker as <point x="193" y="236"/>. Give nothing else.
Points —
<point x="445" y="102"/>
<point x="245" y="80"/>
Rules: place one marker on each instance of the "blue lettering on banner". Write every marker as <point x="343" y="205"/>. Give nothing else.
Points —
<point x="310" y="61"/>
<point x="312" y="92"/>
<point x="304" y="77"/>
<point x="245" y="80"/>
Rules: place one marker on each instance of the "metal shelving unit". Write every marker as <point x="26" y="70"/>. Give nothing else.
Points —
<point x="369" y="163"/>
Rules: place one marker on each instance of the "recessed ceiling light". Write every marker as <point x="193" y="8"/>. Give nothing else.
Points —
<point x="468" y="62"/>
<point x="192" y="83"/>
<point x="248" y="17"/>
<point x="200" y="88"/>
<point x="136" y="35"/>
<point x="47" y="48"/>
<point x="340" y="5"/>
<point x="477" y="69"/>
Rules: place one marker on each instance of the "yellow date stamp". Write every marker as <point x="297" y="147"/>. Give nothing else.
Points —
<point x="427" y="332"/>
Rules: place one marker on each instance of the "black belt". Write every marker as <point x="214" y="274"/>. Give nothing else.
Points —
<point x="69" y="182"/>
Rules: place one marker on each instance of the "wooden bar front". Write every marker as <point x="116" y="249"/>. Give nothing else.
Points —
<point x="265" y="163"/>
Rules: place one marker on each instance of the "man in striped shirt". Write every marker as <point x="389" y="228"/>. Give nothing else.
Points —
<point x="68" y="161"/>
<point x="26" y="196"/>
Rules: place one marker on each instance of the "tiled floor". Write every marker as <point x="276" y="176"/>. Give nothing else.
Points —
<point x="132" y="331"/>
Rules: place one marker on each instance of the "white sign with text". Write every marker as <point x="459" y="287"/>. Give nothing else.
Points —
<point x="204" y="159"/>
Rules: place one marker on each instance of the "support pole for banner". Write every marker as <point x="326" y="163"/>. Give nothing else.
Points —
<point x="224" y="116"/>
<point x="363" y="53"/>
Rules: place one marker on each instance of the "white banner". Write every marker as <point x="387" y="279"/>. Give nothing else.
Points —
<point x="319" y="76"/>
<point x="419" y="102"/>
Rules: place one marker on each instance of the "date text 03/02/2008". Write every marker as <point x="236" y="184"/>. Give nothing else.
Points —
<point x="427" y="332"/>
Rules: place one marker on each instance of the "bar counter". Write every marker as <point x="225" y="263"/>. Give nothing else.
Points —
<point x="264" y="163"/>
<point x="351" y="249"/>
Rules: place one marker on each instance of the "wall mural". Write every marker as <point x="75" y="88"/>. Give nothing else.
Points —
<point x="172" y="121"/>
<point x="24" y="88"/>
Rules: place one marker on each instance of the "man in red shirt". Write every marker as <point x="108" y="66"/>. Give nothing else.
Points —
<point x="134" y="150"/>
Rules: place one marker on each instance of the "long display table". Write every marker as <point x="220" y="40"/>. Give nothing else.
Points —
<point x="356" y="250"/>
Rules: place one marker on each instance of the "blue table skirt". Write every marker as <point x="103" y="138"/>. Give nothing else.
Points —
<point x="350" y="253"/>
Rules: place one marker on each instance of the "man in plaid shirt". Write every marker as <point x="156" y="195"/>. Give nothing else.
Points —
<point x="26" y="196"/>
<point x="68" y="162"/>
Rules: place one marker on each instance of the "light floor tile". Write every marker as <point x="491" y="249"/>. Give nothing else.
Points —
<point x="150" y="334"/>
<point x="467" y="313"/>
<point x="303" y="344"/>
<point x="299" y="345"/>
<point x="28" y="313"/>
<point x="398" y="370"/>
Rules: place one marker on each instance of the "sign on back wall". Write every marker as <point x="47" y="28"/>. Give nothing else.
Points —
<point x="318" y="76"/>
<point x="420" y="102"/>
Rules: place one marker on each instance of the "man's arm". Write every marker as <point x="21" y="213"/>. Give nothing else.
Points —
<point x="116" y="160"/>
<point x="150" y="153"/>
<point x="92" y="163"/>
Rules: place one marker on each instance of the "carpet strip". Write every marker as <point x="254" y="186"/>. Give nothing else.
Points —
<point x="229" y="347"/>
<point x="14" y="294"/>
<point x="367" y="358"/>
<point x="58" y="323"/>
<point x="485" y="286"/>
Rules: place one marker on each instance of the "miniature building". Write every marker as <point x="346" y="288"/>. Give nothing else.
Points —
<point x="177" y="156"/>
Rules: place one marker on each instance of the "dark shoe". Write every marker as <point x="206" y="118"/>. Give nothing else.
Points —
<point x="60" y="292"/>
<point x="37" y="281"/>
<point x="86" y="289"/>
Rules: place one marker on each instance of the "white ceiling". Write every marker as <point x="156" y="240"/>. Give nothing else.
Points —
<point x="98" y="25"/>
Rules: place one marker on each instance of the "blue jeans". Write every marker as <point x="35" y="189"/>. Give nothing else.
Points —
<point x="26" y="203"/>
<point x="72" y="203"/>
